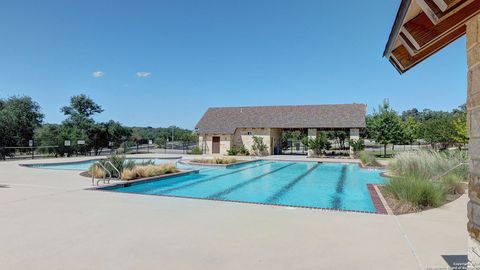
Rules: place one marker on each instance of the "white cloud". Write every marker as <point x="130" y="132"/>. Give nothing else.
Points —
<point x="98" y="74"/>
<point x="143" y="74"/>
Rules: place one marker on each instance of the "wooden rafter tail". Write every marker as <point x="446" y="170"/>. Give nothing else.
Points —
<point x="424" y="32"/>
<point x="407" y="61"/>
<point x="445" y="5"/>
<point x="430" y="9"/>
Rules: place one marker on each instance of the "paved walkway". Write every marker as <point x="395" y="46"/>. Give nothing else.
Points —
<point x="48" y="221"/>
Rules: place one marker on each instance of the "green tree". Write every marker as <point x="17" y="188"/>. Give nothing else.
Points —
<point x="339" y="136"/>
<point x="439" y="130"/>
<point x="19" y="117"/>
<point x="137" y="138"/>
<point x="319" y="143"/>
<point x="385" y="126"/>
<point x="460" y="133"/>
<point x="411" y="129"/>
<point x="258" y="146"/>
<point x="81" y="106"/>
<point x="117" y="133"/>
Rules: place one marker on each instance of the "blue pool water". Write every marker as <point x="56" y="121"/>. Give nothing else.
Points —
<point x="306" y="184"/>
<point x="85" y="165"/>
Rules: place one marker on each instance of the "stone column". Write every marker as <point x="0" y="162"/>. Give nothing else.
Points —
<point x="200" y="143"/>
<point x="312" y="134"/>
<point x="354" y="135"/>
<point x="473" y="120"/>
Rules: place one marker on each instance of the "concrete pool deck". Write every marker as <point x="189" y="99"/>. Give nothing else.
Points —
<point x="49" y="221"/>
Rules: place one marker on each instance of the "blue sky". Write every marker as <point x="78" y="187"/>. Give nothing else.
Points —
<point x="160" y="63"/>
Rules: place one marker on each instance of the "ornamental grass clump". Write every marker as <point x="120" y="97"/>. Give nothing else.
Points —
<point x="97" y="171"/>
<point x="144" y="171"/>
<point x="416" y="191"/>
<point x="431" y="164"/>
<point x="425" y="179"/>
<point x="368" y="159"/>
<point x="216" y="161"/>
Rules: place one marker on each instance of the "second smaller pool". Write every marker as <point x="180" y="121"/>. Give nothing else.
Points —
<point x="85" y="165"/>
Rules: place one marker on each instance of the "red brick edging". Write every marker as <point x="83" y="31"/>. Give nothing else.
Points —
<point x="377" y="202"/>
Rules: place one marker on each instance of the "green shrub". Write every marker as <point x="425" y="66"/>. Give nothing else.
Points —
<point x="258" y="146"/>
<point x="117" y="160"/>
<point x="232" y="151"/>
<point x="319" y="143"/>
<point x="145" y="162"/>
<point x="243" y="151"/>
<point x="215" y="160"/>
<point x="417" y="191"/>
<point x="357" y="146"/>
<point x="368" y="159"/>
<point x="196" y="151"/>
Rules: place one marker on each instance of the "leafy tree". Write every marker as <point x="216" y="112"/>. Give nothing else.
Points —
<point x="117" y="133"/>
<point x="81" y="106"/>
<point x="357" y="146"/>
<point x="319" y="143"/>
<point x="411" y="129"/>
<point x="162" y="134"/>
<point x="55" y="136"/>
<point x="460" y="134"/>
<point x="439" y="130"/>
<point x="258" y="146"/>
<point x="289" y="136"/>
<point x="412" y="113"/>
<point x="385" y="126"/>
<point x="339" y="136"/>
<point x="19" y="117"/>
<point x="137" y="138"/>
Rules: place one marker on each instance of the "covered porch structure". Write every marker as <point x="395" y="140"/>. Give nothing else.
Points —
<point x="423" y="27"/>
<point x="222" y="129"/>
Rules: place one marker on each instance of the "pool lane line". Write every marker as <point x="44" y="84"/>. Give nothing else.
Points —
<point x="337" y="200"/>
<point x="289" y="185"/>
<point x="212" y="178"/>
<point x="244" y="183"/>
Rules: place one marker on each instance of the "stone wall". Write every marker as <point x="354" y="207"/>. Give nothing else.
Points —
<point x="473" y="119"/>
<point x="354" y="135"/>
<point x="205" y="143"/>
<point x="244" y="136"/>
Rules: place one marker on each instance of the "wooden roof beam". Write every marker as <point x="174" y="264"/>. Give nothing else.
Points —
<point x="407" y="44"/>
<point x="404" y="60"/>
<point x="424" y="32"/>
<point x="431" y="9"/>
<point x="445" y="5"/>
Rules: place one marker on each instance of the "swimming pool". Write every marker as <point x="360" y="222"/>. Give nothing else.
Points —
<point x="302" y="184"/>
<point x="85" y="165"/>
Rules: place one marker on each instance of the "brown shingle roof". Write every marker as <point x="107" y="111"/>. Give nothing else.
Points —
<point x="226" y="120"/>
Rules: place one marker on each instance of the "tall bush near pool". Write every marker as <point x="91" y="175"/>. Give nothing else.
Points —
<point x="319" y="143"/>
<point x="258" y="146"/>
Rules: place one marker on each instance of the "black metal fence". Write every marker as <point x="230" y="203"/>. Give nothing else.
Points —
<point x="14" y="153"/>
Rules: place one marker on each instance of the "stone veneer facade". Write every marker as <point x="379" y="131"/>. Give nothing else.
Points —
<point x="205" y="143"/>
<point x="242" y="136"/>
<point x="473" y="119"/>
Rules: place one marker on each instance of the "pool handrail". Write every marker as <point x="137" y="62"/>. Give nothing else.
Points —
<point x="105" y="169"/>
<point x="113" y="166"/>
